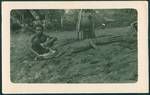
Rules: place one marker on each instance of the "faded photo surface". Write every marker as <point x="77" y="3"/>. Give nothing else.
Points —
<point x="73" y="46"/>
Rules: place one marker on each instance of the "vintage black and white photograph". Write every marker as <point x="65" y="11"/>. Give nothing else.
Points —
<point x="73" y="46"/>
<point x="70" y="47"/>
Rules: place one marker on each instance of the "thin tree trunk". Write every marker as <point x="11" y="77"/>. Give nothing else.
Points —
<point x="34" y="14"/>
<point x="62" y="23"/>
<point x="78" y="25"/>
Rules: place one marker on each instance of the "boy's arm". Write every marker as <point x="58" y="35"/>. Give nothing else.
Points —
<point x="32" y="38"/>
<point x="45" y="43"/>
<point x="49" y="41"/>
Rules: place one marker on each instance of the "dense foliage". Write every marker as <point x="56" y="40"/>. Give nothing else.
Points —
<point x="60" y="20"/>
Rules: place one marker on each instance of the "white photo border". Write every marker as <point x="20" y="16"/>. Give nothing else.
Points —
<point x="141" y="86"/>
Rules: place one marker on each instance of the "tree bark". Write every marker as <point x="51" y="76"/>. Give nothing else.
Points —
<point x="82" y="45"/>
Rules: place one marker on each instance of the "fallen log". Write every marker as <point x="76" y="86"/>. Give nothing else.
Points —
<point x="82" y="45"/>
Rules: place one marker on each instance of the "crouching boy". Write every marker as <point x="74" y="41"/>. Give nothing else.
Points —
<point x="41" y="44"/>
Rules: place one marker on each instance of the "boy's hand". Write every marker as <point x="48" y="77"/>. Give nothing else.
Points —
<point x="43" y="45"/>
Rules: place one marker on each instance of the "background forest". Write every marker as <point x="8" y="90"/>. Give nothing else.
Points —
<point x="66" y="20"/>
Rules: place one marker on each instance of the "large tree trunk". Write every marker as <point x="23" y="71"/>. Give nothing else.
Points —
<point x="87" y="26"/>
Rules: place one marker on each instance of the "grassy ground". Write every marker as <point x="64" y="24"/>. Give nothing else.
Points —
<point x="109" y="63"/>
